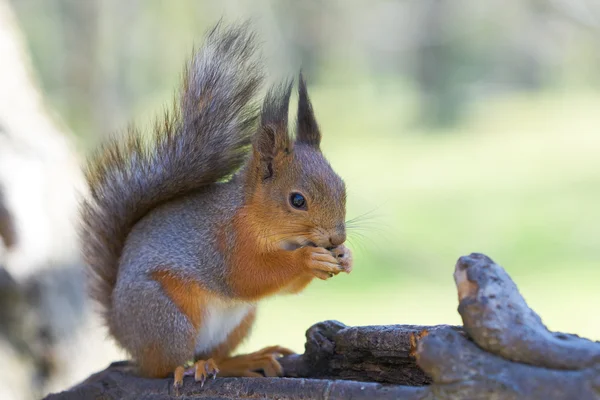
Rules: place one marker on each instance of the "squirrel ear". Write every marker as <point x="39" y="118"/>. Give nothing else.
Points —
<point x="307" y="131"/>
<point x="273" y="137"/>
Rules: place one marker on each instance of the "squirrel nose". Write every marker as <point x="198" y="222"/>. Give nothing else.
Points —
<point x="338" y="238"/>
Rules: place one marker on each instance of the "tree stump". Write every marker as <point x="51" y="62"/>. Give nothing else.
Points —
<point x="503" y="351"/>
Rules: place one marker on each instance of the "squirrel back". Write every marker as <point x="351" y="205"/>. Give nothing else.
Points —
<point x="214" y="122"/>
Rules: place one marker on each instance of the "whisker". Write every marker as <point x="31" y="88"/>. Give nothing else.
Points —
<point x="356" y="245"/>
<point x="368" y="214"/>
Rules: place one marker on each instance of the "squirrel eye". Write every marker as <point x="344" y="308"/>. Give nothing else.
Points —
<point x="298" y="201"/>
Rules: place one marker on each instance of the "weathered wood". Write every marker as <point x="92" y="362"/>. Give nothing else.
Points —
<point x="497" y="318"/>
<point x="367" y="353"/>
<point x="333" y="351"/>
<point x="504" y="351"/>
<point x="117" y="382"/>
<point x="462" y="370"/>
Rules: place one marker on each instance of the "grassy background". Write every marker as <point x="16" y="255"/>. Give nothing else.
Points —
<point x="518" y="181"/>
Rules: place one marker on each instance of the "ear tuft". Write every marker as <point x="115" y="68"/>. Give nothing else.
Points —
<point x="273" y="136"/>
<point x="307" y="131"/>
<point x="276" y="106"/>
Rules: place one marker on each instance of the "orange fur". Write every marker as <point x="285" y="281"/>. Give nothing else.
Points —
<point x="153" y="362"/>
<point x="188" y="296"/>
<point x="258" y="268"/>
<point x="248" y="364"/>
<point x="298" y="284"/>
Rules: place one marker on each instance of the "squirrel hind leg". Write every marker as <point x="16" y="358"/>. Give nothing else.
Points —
<point x="247" y="365"/>
<point x="151" y="326"/>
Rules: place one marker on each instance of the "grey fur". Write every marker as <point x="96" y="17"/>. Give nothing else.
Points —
<point x="169" y="207"/>
<point x="203" y="141"/>
<point x="307" y="129"/>
<point x="179" y="235"/>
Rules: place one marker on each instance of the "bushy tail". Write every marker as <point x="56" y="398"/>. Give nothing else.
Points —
<point x="204" y="139"/>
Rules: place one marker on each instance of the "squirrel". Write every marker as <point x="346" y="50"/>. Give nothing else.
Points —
<point x="185" y="232"/>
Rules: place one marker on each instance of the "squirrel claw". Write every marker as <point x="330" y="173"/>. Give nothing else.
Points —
<point x="205" y="369"/>
<point x="178" y="377"/>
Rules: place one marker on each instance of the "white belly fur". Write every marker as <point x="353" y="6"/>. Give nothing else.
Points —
<point x="221" y="317"/>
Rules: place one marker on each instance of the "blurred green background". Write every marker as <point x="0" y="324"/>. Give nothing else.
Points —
<point x="459" y="126"/>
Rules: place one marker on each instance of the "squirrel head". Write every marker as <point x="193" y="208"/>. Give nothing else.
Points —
<point x="290" y="183"/>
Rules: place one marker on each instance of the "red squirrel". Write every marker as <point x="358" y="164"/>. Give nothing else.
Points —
<point x="184" y="233"/>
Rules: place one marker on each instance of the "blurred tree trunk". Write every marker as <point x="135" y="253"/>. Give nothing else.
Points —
<point x="436" y="62"/>
<point x="79" y="31"/>
<point x="298" y="29"/>
<point x="43" y="303"/>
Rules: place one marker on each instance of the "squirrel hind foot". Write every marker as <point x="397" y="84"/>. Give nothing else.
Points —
<point x="202" y="370"/>
<point x="247" y="365"/>
<point x="178" y="377"/>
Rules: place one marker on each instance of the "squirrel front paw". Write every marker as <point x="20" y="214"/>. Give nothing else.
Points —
<point x="344" y="257"/>
<point x="320" y="262"/>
